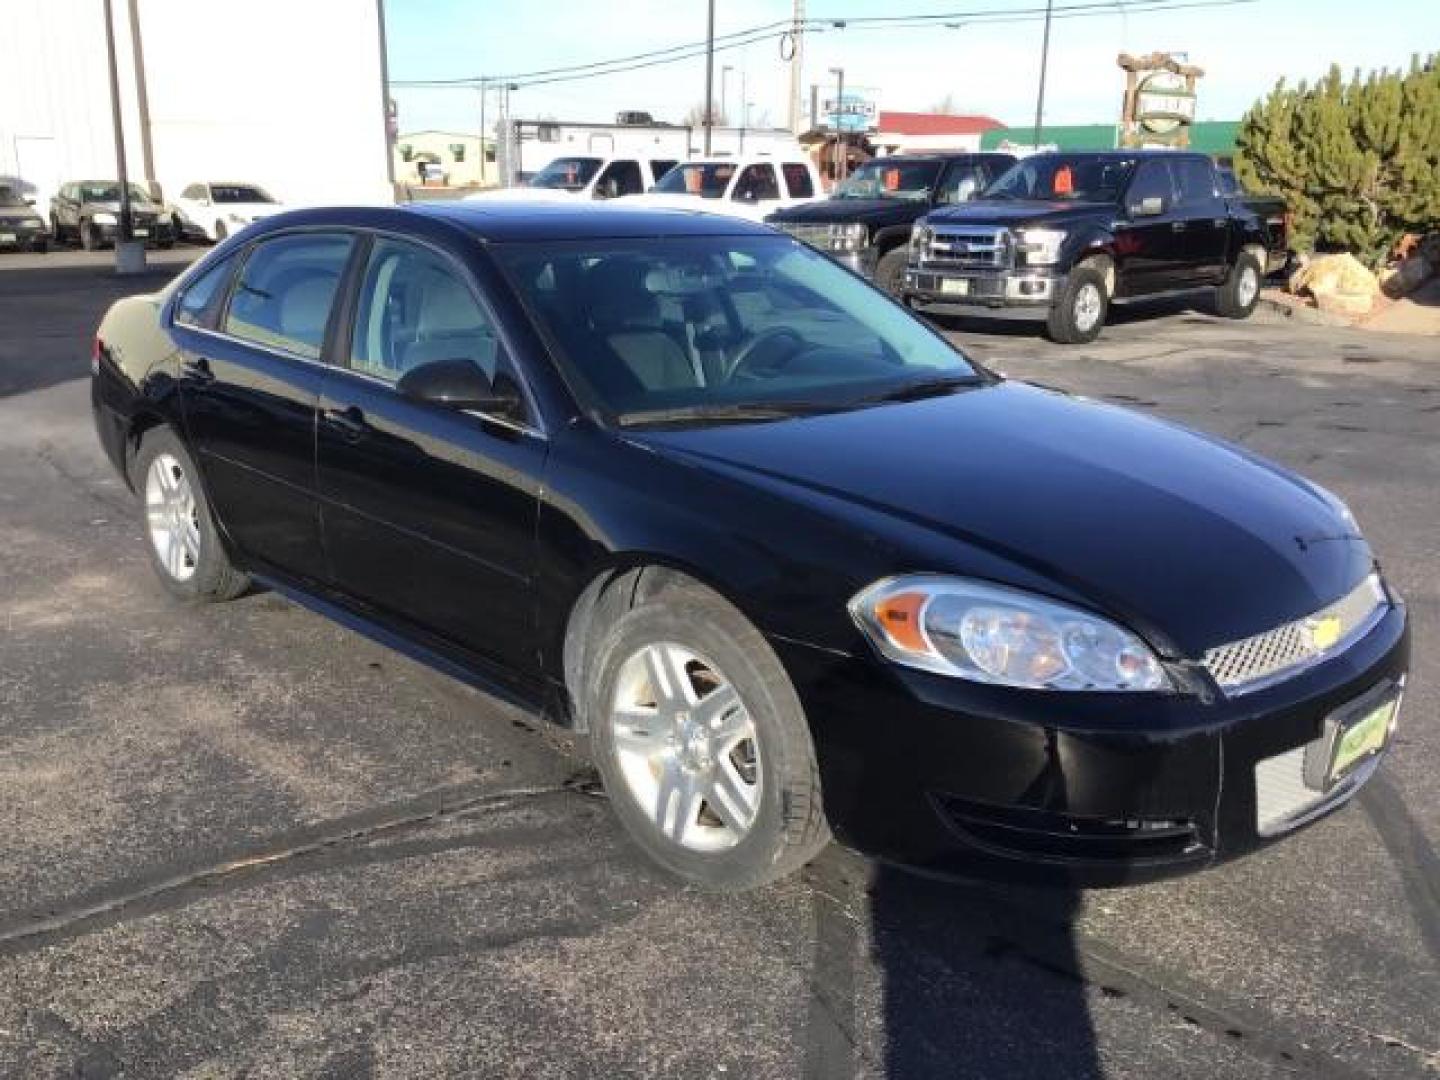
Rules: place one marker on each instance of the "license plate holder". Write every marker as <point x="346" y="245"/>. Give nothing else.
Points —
<point x="1353" y="734"/>
<point x="955" y="286"/>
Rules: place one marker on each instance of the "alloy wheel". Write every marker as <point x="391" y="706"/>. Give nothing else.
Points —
<point x="1248" y="286"/>
<point x="173" y="517"/>
<point x="686" y="747"/>
<point x="1087" y="307"/>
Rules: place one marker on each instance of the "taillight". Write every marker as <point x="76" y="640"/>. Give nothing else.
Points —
<point x="95" y="350"/>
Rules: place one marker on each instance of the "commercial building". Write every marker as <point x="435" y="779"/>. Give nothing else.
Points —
<point x="287" y="95"/>
<point x="1214" y="137"/>
<point x="444" y="158"/>
<point x="920" y="133"/>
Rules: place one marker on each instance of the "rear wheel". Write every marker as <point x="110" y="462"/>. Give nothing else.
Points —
<point x="1079" y="311"/>
<point x="702" y="743"/>
<point x="1237" y="298"/>
<point x="184" y="546"/>
<point x="890" y="271"/>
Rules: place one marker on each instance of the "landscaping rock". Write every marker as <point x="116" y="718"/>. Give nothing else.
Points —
<point x="1340" y="284"/>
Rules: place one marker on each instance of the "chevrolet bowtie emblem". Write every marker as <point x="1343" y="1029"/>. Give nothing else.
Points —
<point x="1324" y="631"/>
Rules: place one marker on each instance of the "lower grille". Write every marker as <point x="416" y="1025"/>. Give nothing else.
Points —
<point x="1069" y="838"/>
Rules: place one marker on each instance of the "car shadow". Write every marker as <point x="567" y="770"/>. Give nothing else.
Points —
<point x="976" y="979"/>
<point x="1130" y="312"/>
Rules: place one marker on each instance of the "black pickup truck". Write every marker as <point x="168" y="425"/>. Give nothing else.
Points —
<point x="866" y="223"/>
<point x="1061" y="235"/>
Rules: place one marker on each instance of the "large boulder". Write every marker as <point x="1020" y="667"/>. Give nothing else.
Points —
<point x="1339" y="283"/>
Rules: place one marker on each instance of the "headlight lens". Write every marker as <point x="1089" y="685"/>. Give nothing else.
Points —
<point x="847" y="237"/>
<point x="993" y="634"/>
<point x="104" y="217"/>
<point x="1040" y="247"/>
<point x="920" y="237"/>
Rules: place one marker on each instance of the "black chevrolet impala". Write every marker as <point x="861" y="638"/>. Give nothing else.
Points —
<point x="790" y="560"/>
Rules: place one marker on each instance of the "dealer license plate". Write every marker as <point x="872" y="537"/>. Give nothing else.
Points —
<point x="7" y="238"/>
<point x="955" y="286"/>
<point x="142" y="232"/>
<point x="1363" y="737"/>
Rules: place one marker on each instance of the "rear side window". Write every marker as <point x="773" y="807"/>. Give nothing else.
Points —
<point x="797" y="179"/>
<point x="756" y="183"/>
<point x="661" y="167"/>
<point x="620" y="178"/>
<point x="285" y="290"/>
<point x="201" y="299"/>
<point x="1195" y="179"/>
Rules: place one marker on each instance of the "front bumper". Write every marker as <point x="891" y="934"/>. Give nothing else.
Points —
<point x="1094" y="788"/>
<point x="159" y="231"/>
<point x="1023" y="293"/>
<point x="18" y="236"/>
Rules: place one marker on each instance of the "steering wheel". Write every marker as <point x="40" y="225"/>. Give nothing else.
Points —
<point x="743" y="361"/>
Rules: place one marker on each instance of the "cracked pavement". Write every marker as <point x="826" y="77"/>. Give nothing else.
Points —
<point x="240" y="841"/>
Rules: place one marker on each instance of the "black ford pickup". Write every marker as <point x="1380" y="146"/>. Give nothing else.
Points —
<point x="866" y="223"/>
<point x="1061" y="235"/>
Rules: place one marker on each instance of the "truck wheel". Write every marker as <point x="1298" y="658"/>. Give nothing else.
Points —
<point x="890" y="270"/>
<point x="1080" y="309"/>
<point x="1237" y="298"/>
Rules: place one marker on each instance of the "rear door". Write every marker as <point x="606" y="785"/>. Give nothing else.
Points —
<point x="1201" y="210"/>
<point x="249" y="387"/>
<point x="429" y="512"/>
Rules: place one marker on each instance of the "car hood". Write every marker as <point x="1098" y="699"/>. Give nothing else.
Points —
<point x="136" y="206"/>
<point x="722" y="207"/>
<point x="1014" y="213"/>
<point x="870" y="211"/>
<point x="1191" y="541"/>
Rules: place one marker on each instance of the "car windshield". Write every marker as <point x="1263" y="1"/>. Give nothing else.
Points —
<point x="110" y="192"/>
<point x="1065" y="177"/>
<point x="238" y="193"/>
<point x="890" y="178"/>
<point x="567" y="173"/>
<point x="9" y="198"/>
<point x="694" y="330"/>
<point x="708" y="179"/>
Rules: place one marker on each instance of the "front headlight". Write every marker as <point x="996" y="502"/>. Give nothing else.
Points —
<point x="104" y="217"/>
<point x="848" y="237"/>
<point x="1040" y="247"/>
<point x="920" y="237"/>
<point x="993" y="634"/>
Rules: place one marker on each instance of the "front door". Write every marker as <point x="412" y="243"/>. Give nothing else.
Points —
<point x="1149" y="238"/>
<point x="429" y="512"/>
<point x="249" y="390"/>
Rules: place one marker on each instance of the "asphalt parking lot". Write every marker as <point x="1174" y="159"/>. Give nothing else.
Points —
<point x="241" y="841"/>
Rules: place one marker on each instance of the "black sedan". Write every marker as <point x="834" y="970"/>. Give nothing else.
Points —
<point x="790" y="560"/>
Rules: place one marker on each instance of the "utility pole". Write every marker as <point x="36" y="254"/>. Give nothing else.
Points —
<point x="1044" y="62"/>
<point x="839" y="115"/>
<point x="725" y="92"/>
<point x="483" y="90"/>
<point x="124" y="251"/>
<point x="744" y="110"/>
<point x="797" y="62"/>
<point x="709" y="74"/>
<point x="142" y="100"/>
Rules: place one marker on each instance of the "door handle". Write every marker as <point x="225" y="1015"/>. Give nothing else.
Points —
<point x="1177" y="226"/>
<point x="198" y="369"/>
<point x="349" y="422"/>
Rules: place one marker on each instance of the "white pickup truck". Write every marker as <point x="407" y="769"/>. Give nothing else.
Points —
<point x="584" y="177"/>
<point x="745" y="187"/>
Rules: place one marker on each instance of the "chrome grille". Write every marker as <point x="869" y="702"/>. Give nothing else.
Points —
<point x="808" y="233"/>
<point x="983" y="248"/>
<point x="1252" y="662"/>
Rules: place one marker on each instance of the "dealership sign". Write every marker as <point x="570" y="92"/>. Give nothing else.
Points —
<point x="1159" y="100"/>
<point x="1162" y="102"/>
<point x="853" y="112"/>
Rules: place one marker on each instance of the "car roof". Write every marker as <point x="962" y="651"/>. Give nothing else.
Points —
<point x="529" y="221"/>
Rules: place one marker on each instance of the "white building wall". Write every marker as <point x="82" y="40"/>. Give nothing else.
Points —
<point x="284" y="93"/>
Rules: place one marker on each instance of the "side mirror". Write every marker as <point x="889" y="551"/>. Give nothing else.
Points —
<point x="1148" y="207"/>
<point x="459" y="384"/>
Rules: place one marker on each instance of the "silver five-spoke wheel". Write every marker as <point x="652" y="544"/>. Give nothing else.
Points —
<point x="173" y="517"/>
<point x="1247" y="286"/>
<point x="1087" y="307"/>
<point x="686" y="747"/>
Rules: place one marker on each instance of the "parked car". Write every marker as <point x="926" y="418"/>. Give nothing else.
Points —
<point x="215" y="210"/>
<point x="743" y="187"/>
<point x="1062" y="235"/>
<point x="866" y="223"/>
<point x="788" y="559"/>
<point x="89" y="211"/>
<point x="20" y="225"/>
<point x="584" y="177"/>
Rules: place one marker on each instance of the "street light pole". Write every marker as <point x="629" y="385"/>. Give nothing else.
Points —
<point x="709" y="74"/>
<point x="123" y="228"/>
<point x="724" y="90"/>
<point x="839" y="74"/>
<point x="1044" y="62"/>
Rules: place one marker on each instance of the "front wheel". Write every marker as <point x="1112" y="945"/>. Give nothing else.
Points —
<point x="702" y="743"/>
<point x="184" y="545"/>
<point x="1079" y="311"/>
<point x="1237" y="298"/>
<point x="890" y="271"/>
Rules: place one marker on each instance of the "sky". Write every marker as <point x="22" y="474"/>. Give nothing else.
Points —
<point x="987" y="69"/>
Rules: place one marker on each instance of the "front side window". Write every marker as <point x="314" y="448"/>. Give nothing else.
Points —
<point x="567" y="173"/>
<point x="286" y="288"/>
<point x="708" y="179"/>
<point x="201" y="299"/>
<point x="711" y="325"/>
<point x="1064" y="177"/>
<point x="620" y="178"/>
<point x="757" y="184"/>
<point x="1152" y="181"/>
<point x="1195" y="179"/>
<point x="415" y="308"/>
<point x="962" y="182"/>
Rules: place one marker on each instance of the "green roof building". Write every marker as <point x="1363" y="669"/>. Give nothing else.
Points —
<point x="1215" y="137"/>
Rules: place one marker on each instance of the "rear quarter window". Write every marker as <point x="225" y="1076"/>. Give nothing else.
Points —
<point x="797" y="180"/>
<point x="201" y="299"/>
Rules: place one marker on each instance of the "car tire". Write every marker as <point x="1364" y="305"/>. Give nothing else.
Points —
<point x="1079" y="312"/>
<point x="713" y="774"/>
<point x="1237" y="298"/>
<point x="890" y="271"/>
<point x="184" y="545"/>
<point x="221" y="232"/>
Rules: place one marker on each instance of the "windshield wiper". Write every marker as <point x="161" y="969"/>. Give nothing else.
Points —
<point x="924" y="388"/>
<point x="714" y="414"/>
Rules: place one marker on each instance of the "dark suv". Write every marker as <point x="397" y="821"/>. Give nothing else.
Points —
<point x="866" y="223"/>
<point x="89" y="211"/>
<point x="20" y="225"/>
